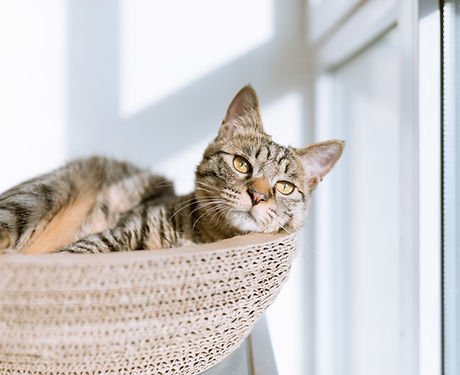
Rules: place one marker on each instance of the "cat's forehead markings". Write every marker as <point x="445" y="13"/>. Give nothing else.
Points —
<point x="214" y="153"/>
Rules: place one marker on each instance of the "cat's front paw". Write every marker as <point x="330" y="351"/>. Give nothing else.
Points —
<point x="76" y="248"/>
<point x="65" y="250"/>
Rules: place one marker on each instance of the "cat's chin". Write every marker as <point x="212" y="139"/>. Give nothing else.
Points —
<point x="245" y="221"/>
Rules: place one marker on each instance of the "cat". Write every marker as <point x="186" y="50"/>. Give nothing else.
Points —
<point x="244" y="183"/>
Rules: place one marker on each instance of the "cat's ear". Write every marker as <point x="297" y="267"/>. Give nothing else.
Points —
<point x="319" y="158"/>
<point x="243" y="113"/>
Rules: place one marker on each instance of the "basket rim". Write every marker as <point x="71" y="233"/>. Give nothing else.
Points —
<point x="234" y="243"/>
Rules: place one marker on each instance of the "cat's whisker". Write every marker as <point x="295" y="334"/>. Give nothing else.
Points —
<point x="193" y="202"/>
<point x="211" y="209"/>
<point x="207" y="212"/>
<point x="205" y="190"/>
<point x="207" y="185"/>
<point x="210" y="186"/>
<point x="196" y="199"/>
<point x="214" y="211"/>
<point x="228" y="214"/>
<point x="218" y="214"/>
<point x="282" y="227"/>
<point x="278" y="222"/>
<point x="205" y="205"/>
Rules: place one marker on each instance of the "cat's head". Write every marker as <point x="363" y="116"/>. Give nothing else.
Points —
<point x="248" y="183"/>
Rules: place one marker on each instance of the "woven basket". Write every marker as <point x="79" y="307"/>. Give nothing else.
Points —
<point x="172" y="311"/>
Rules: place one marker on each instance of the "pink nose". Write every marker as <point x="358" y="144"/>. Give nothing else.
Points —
<point x="256" y="196"/>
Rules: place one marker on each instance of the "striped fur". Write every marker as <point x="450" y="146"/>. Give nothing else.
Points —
<point x="103" y="205"/>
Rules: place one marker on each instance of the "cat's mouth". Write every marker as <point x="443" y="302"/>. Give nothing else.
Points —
<point x="246" y="220"/>
<point x="251" y="216"/>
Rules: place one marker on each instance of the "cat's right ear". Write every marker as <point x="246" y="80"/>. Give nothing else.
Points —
<point x="242" y="113"/>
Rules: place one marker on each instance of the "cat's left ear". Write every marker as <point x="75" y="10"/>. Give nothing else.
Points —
<point x="243" y="113"/>
<point x="319" y="158"/>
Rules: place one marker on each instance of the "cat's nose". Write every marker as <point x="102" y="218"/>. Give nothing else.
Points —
<point x="256" y="196"/>
<point x="258" y="190"/>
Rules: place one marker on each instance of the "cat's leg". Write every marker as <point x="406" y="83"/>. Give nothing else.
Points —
<point x="147" y="226"/>
<point x="110" y="240"/>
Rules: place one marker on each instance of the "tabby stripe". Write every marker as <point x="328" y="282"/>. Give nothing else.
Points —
<point x="5" y="196"/>
<point x="193" y="214"/>
<point x="88" y="244"/>
<point x="176" y="221"/>
<point x="180" y="225"/>
<point x="47" y="192"/>
<point x="286" y="169"/>
<point x="193" y="206"/>
<point x="79" y="246"/>
<point x="162" y="229"/>
<point x="268" y="152"/>
<point x="208" y="174"/>
<point x="5" y="226"/>
<point x="172" y="218"/>
<point x="129" y="243"/>
<point x="107" y="242"/>
<point x="209" y="157"/>
<point x="115" y="242"/>
<point x="119" y="241"/>
<point x="303" y="195"/>
<point x="123" y="221"/>
<point x="282" y="158"/>
<point x="143" y="229"/>
<point x="294" y="175"/>
<point x="22" y="214"/>
<point x="174" y="234"/>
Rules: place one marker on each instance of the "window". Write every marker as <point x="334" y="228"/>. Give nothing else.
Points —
<point x="377" y="228"/>
<point x="363" y="215"/>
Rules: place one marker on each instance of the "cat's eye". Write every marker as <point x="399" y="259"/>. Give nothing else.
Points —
<point x="241" y="164"/>
<point x="284" y="187"/>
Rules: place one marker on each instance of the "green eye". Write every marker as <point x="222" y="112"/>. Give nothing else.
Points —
<point x="284" y="187"/>
<point x="241" y="164"/>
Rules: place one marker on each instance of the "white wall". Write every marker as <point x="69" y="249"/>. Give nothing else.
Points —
<point x="33" y="96"/>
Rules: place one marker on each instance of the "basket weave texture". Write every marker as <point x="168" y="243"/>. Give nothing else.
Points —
<point x="172" y="311"/>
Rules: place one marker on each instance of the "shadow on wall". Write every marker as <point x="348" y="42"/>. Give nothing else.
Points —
<point x="190" y="115"/>
<point x="184" y="117"/>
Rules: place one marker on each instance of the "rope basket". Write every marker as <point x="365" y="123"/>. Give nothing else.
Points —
<point x="171" y="311"/>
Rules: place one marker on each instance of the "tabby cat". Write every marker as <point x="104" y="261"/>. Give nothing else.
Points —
<point x="244" y="183"/>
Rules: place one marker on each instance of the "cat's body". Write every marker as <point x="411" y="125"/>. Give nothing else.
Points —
<point x="244" y="183"/>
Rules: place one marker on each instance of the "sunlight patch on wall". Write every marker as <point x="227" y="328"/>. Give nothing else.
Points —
<point x="283" y="120"/>
<point x="167" y="45"/>
<point x="32" y="89"/>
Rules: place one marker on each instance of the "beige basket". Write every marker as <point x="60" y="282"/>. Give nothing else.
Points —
<point x="172" y="311"/>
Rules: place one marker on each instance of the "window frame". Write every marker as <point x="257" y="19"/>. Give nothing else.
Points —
<point x="420" y="268"/>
